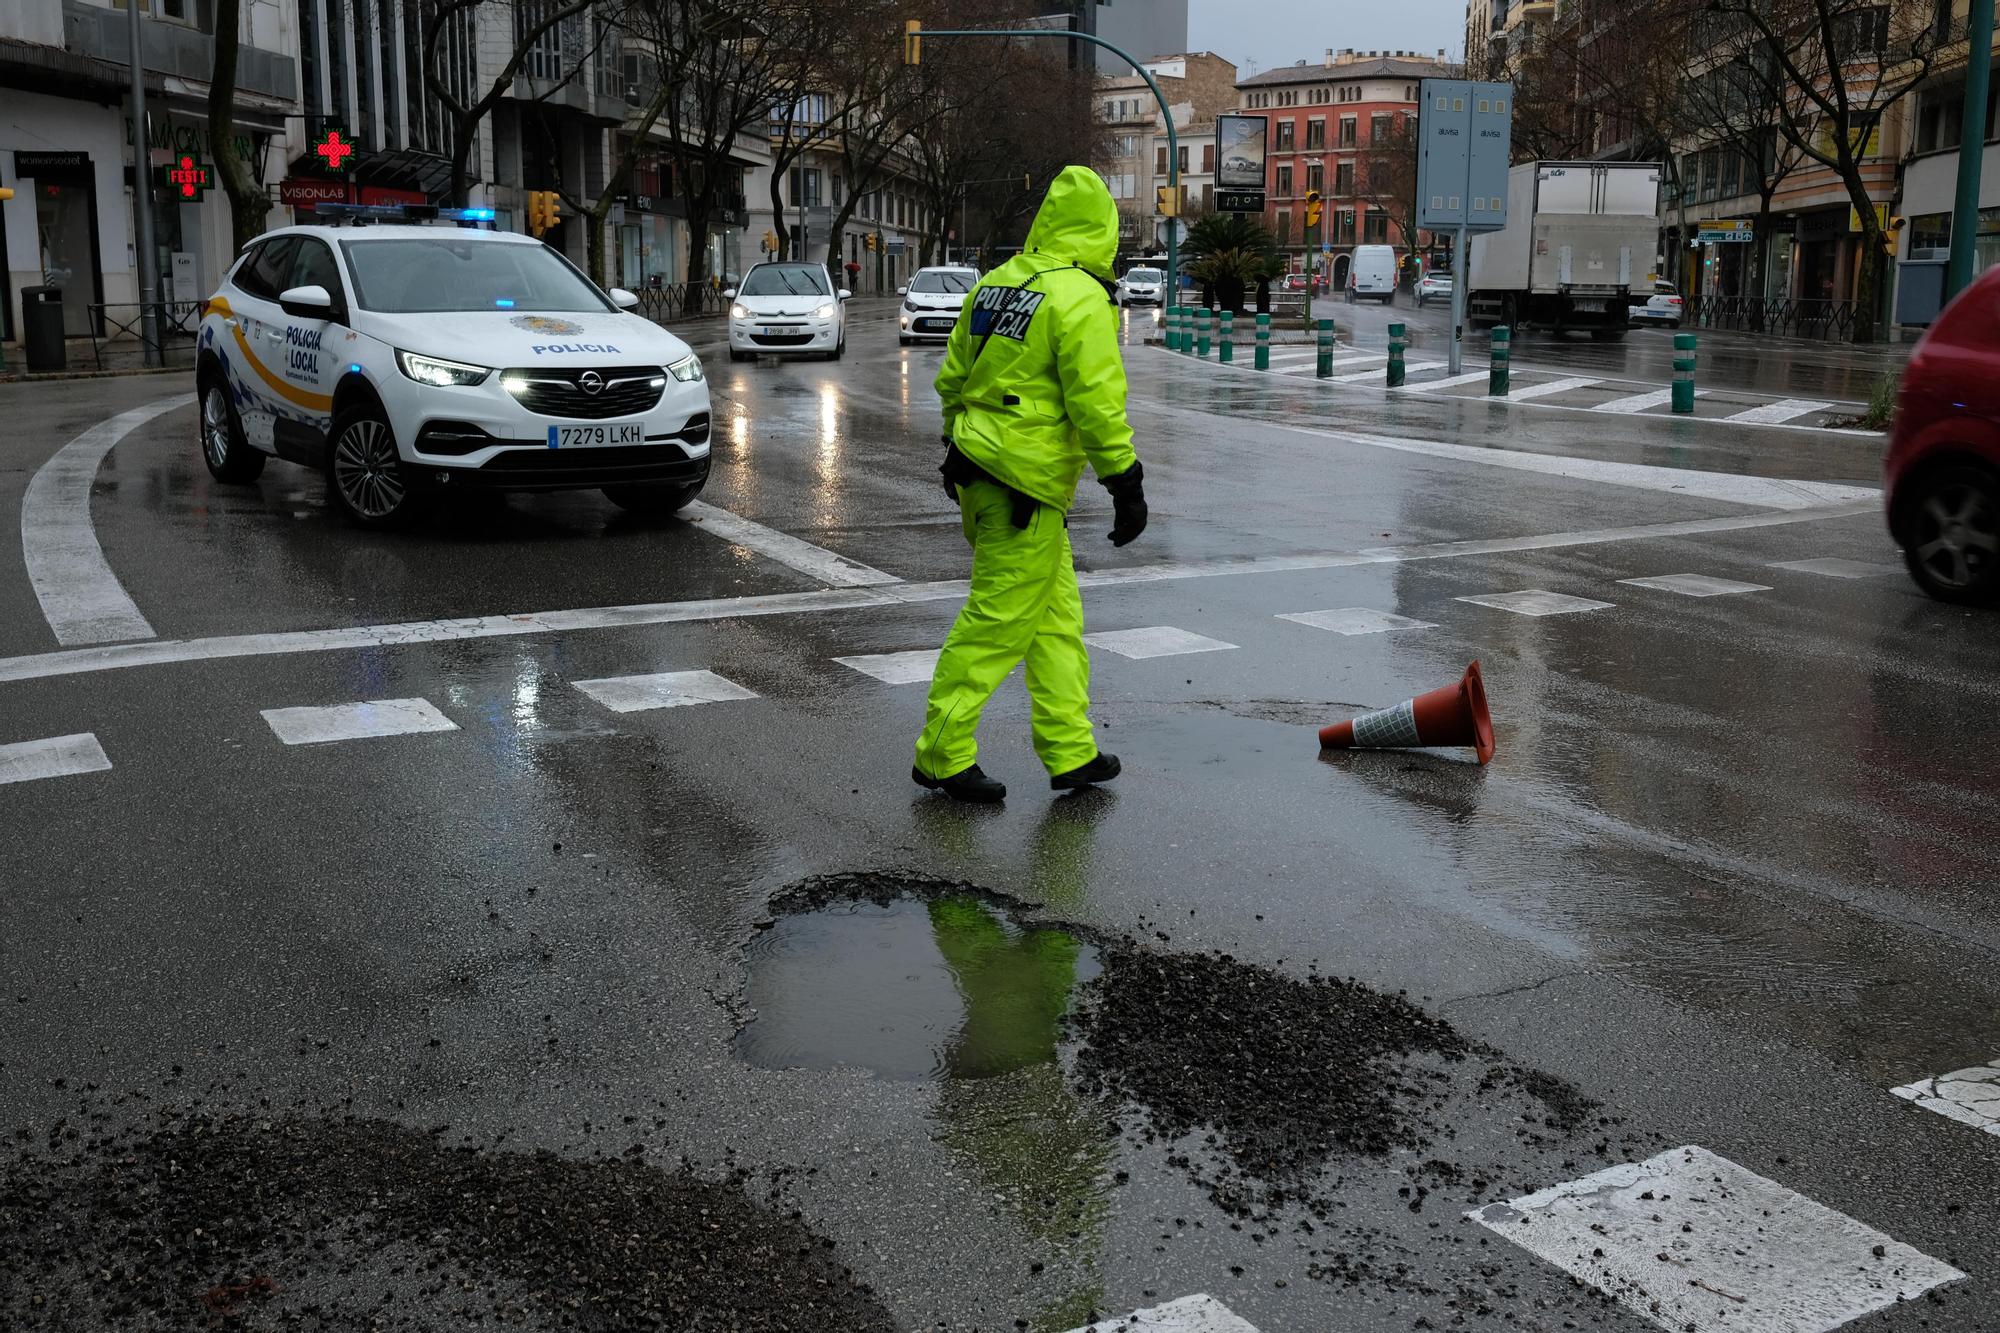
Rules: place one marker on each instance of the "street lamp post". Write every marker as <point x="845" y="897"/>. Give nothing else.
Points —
<point x="913" y="32"/>
<point x="1971" y="147"/>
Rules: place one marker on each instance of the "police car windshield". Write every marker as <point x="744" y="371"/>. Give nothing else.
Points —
<point x="412" y="275"/>
<point x="784" y="280"/>
<point x="944" y="280"/>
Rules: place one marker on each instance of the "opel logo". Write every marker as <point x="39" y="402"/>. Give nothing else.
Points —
<point x="590" y="382"/>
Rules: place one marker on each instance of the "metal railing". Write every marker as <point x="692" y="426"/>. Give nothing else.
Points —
<point x="123" y="323"/>
<point x="680" y="300"/>
<point x="1789" y="317"/>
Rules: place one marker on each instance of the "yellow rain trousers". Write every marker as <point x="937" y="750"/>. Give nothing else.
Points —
<point x="1024" y="605"/>
<point x="1033" y="388"/>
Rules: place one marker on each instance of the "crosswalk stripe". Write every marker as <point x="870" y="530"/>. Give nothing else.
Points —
<point x="357" y="721"/>
<point x="1189" y="1314"/>
<point x="1640" y="402"/>
<point x="1783" y="410"/>
<point x="1969" y="1096"/>
<point x="1543" y="390"/>
<point x="1536" y="602"/>
<point x="1409" y="369"/>
<point x="1452" y="382"/>
<point x="52" y="757"/>
<point x="1154" y="641"/>
<point x="1692" y="1241"/>
<point x="896" y="668"/>
<point x="663" y="689"/>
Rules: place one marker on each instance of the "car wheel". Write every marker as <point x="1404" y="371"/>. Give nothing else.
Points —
<point x="1951" y="534"/>
<point x="369" y="481"/>
<point x="839" y="350"/>
<point x="735" y="355"/>
<point x="228" y="455"/>
<point x="663" y="497"/>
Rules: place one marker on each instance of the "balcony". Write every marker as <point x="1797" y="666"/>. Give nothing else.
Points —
<point x="174" y="49"/>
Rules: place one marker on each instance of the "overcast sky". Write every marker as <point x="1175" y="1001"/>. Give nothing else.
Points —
<point x="1263" y="34"/>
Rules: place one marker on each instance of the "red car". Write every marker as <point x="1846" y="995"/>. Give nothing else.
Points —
<point x="1943" y="465"/>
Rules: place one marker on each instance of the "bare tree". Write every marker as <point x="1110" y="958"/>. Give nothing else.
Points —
<point x="1386" y="175"/>
<point x="1829" y="70"/>
<point x="249" y="201"/>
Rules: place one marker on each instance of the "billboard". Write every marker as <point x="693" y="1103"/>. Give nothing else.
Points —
<point x="1239" y="152"/>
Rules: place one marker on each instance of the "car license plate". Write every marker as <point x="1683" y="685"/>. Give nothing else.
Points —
<point x="619" y="432"/>
<point x="1590" y="305"/>
<point x="770" y="330"/>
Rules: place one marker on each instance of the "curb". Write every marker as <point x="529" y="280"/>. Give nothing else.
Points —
<point x="44" y="377"/>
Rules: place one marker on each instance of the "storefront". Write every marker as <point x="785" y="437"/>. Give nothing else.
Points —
<point x="648" y="243"/>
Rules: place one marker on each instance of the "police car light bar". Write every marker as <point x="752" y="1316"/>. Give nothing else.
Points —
<point x="362" y="214"/>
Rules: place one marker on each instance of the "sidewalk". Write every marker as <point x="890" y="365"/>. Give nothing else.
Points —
<point x="120" y="357"/>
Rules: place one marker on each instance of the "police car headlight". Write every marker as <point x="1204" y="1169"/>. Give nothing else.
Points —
<point x="739" y="312"/>
<point x="439" y="372"/>
<point x="687" y="369"/>
<point x="824" y="312"/>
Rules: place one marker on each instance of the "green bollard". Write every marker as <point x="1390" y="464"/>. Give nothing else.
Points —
<point x="1397" y="345"/>
<point x="1170" y="327"/>
<point x="1201" y="332"/>
<point x="1684" y="372"/>
<point x="1325" y="367"/>
<point x="1263" y="341"/>
<point x="1228" y="353"/>
<point x="1499" y="368"/>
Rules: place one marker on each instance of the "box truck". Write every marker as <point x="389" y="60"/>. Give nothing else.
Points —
<point x="1580" y="240"/>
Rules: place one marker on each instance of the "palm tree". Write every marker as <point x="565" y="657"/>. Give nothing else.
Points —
<point x="1229" y="254"/>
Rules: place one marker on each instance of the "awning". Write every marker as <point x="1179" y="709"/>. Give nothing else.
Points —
<point x="408" y="170"/>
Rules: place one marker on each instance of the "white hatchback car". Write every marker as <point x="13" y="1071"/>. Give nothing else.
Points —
<point x="1433" y="287"/>
<point x="1140" y="286"/>
<point x="932" y="302"/>
<point x="409" y="360"/>
<point x="1664" y="306"/>
<point x="787" y="307"/>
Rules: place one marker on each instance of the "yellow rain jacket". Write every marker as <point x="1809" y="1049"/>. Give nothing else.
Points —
<point x="1033" y="384"/>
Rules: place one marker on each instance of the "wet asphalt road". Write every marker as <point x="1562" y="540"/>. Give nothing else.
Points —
<point x="1730" y="874"/>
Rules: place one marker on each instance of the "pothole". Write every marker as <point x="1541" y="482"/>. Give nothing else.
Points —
<point x="911" y="981"/>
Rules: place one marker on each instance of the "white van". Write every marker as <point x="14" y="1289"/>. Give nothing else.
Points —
<point x="1372" y="272"/>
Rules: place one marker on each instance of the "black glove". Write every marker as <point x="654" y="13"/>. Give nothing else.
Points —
<point x="944" y="469"/>
<point x="1128" y="503"/>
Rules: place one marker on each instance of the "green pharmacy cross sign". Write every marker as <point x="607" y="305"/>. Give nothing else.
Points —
<point x="185" y="178"/>
<point x="333" y="148"/>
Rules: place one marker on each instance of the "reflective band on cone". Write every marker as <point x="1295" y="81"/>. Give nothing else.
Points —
<point x="1453" y="715"/>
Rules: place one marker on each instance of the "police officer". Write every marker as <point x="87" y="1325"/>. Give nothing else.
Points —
<point x="1033" y="386"/>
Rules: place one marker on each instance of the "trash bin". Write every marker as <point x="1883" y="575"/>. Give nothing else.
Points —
<point x="42" y="329"/>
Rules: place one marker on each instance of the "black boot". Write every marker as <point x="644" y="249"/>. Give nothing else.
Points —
<point x="1101" y="769"/>
<point x="968" y="784"/>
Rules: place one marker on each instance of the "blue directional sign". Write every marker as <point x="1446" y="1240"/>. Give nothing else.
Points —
<point x="1466" y="132"/>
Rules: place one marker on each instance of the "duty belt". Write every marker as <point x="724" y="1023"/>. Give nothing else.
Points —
<point x="961" y="471"/>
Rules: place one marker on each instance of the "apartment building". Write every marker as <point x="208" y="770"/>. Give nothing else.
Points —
<point x="1198" y="86"/>
<point x="1325" y="116"/>
<point x="1934" y="132"/>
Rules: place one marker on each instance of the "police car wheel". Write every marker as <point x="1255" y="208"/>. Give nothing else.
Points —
<point x="654" y="498"/>
<point x="368" y="480"/>
<point x="228" y="455"/>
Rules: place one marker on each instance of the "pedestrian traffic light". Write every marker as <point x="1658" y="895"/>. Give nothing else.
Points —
<point x="544" y="211"/>
<point x="913" y="41"/>
<point x="1312" y="208"/>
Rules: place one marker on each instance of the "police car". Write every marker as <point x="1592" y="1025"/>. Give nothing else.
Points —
<point x="405" y="360"/>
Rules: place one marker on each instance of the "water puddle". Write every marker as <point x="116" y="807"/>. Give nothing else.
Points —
<point x="913" y="989"/>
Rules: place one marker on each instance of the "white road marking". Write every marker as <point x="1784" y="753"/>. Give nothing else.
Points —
<point x="1969" y="1096"/>
<point x="1452" y="382"/>
<point x="1536" y="602"/>
<point x="1548" y="387"/>
<point x="1154" y="641"/>
<point x="1409" y="368"/>
<point x="1764" y="492"/>
<point x="1782" y="410"/>
<point x="818" y="562"/>
<point x="351" y="722"/>
<point x="1641" y="402"/>
<point x="55" y="757"/>
<point x="114" y="657"/>
<point x="1189" y="1314"/>
<point x="1696" y="585"/>
<point x="664" y="689"/>
<point x="81" y="598"/>
<point x="1839" y="569"/>
<point x="1695" y="1242"/>
<point x="896" y="668"/>
<point x="1352" y="620"/>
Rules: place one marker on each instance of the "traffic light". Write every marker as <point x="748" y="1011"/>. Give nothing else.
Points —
<point x="6" y="193"/>
<point x="770" y="242"/>
<point x="913" y="42"/>
<point x="544" y="211"/>
<point x="1312" y="208"/>
<point x="1169" y="198"/>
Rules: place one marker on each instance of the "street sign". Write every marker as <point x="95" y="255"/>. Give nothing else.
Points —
<point x="1466" y="132"/>
<point x="1709" y="233"/>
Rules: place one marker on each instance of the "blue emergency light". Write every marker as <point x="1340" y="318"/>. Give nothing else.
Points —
<point x="362" y="214"/>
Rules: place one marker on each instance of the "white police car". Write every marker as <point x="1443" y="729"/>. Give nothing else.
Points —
<point x="405" y="360"/>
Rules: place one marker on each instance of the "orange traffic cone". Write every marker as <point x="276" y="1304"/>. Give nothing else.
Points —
<point x="1454" y="715"/>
